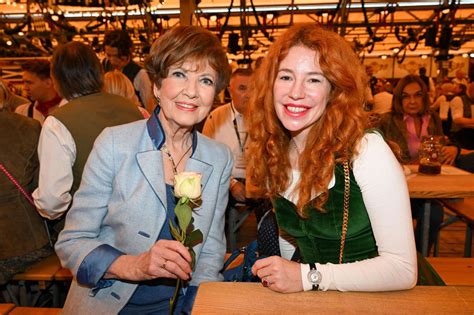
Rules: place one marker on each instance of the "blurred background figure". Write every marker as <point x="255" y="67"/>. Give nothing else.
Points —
<point x="39" y="87"/>
<point x="408" y="122"/>
<point x="118" y="47"/>
<point x="226" y="125"/>
<point x="383" y="97"/>
<point x="460" y="78"/>
<point x="443" y="106"/>
<point x="23" y="237"/>
<point x="115" y="82"/>
<point x="11" y="100"/>
<point x="462" y="129"/>
<point x="428" y="82"/>
<point x="69" y="133"/>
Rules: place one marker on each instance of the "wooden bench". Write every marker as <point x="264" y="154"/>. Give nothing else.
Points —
<point x="63" y="274"/>
<point x="5" y="308"/>
<point x="463" y="211"/>
<point x="42" y="274"/>
<point x="35" y="311"/>
<point x="454" y="270"/>
<point x="42" y="271"/>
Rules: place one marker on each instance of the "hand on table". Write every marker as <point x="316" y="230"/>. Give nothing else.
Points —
<point x="280" y="275"/>
<point x="449" y="154"/>
<point x="166" y="259"/>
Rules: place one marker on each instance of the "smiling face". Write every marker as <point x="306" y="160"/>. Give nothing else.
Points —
<point x="300" y="91"/>
<point x="412" y="99"/>
<point x="186" y="94"/>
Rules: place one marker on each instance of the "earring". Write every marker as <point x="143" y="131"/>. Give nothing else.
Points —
<point x="156" y="93"/>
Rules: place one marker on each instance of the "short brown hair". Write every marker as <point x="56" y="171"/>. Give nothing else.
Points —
<point x="184" y="43"/>
<point x="40" y="67"/>
<point x="76" y="70"/>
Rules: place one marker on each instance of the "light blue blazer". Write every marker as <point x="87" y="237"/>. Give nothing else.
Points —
<point x="121" y="206"/>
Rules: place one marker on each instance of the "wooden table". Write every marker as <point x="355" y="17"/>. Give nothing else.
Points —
<point x="451" y="183"/>
<point x="252" y="298"/>
<point x="5" y="308"/>
<point x="454" y="270"/>
<point x="35" y="311"/>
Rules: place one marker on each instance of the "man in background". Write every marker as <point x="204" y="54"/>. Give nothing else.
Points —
<point x="118" y="47"/>
<point x="69" y="133"/>
<point x="225" y="124"/>
<point x="39" y="87"/>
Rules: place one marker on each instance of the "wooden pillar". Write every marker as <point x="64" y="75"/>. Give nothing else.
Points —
<point x="186" y="8"/>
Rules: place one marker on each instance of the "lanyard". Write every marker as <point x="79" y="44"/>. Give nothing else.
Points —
<point x="237" y="133"/>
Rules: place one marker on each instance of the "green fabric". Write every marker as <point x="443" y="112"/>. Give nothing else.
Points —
<point x="319" y="236"/>
<point x="426" y="273"/>
<point x="85" y="117"/>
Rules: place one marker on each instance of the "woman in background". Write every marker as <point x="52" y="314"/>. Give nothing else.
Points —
<point x="409" y="121"/>
<point x="115" y="82"/>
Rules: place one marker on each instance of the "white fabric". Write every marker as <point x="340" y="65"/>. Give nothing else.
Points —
<point x="382" y="103"/>
<point x="220" y="127"/>
<point x="23" y="110"/>
<point x="457" y="108"/>
<point x="143" y="85"/>
<point x="57" y="153"/>
<point x="384" y="190"/>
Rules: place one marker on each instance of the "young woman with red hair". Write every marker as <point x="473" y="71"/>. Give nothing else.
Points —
<point x="338" y="192"/>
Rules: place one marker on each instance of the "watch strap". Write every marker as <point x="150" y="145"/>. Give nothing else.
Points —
<point x="312" y="266"/>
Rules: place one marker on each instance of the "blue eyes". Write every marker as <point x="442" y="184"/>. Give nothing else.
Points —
<point x="207" y="81"/>
<point x="181" y="74"/>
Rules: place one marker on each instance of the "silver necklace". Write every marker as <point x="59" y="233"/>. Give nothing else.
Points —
<point x="170" y="157"/>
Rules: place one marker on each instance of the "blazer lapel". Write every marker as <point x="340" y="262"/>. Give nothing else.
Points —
<point x="196" y="162"/>
<point x="151" y="166"/>
<point x="198" y="166"/>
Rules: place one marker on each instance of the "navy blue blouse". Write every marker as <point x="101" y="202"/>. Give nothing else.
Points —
<point x="153" y="296"/>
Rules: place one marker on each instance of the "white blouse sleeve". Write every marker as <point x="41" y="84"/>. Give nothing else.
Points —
<point x="57" y="153"/>
<point x="385" y="194"/>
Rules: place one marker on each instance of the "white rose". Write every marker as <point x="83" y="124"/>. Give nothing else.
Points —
<point x="187" y="184"/>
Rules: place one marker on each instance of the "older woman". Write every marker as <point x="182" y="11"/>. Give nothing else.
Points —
<point x="117" y="239"/>
<point x="352" y="226"/>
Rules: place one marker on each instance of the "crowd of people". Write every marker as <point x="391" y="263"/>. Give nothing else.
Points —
<point x="99" y="145"/>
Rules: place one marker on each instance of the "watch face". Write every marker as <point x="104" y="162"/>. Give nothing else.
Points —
<point x="314" y="277"/>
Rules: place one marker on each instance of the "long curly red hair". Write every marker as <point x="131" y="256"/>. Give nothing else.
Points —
<point x="332" y="139"/>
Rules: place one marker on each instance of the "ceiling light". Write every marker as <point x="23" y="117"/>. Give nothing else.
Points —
<point x="9" y="43"/>
<point x="396" y="50"/>
<point x="213" y="18"/>
<point x="465" y="55"/>
<point x="424" y="56"/>
<point x="471" y="55"/>
<point x="383" y="57"/>
<point x="269" y="16"/>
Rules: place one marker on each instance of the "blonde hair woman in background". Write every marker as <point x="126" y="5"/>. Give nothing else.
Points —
<point x="115" y="82"/>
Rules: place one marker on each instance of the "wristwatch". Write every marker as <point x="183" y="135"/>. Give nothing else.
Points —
<point x="314" y="276"/>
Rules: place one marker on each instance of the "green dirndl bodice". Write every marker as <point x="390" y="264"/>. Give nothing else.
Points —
<point x="319" y="237"/>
